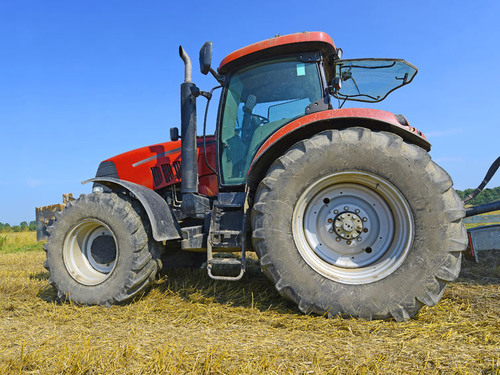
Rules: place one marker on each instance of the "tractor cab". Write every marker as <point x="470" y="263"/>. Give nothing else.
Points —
<point x="271" y="83"/>
<point x="258" y="100"/>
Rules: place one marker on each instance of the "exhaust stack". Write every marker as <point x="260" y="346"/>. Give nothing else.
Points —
<point x="189" y="169"/>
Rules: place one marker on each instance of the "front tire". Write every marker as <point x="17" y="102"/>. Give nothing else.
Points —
<point x="358" y="223"/>
<point x="99" y="251"/>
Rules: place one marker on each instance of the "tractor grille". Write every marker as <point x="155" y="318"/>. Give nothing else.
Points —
<point x="157" y="176"/>
<point x="166" y="172"/>
<point x="177" y="168"/>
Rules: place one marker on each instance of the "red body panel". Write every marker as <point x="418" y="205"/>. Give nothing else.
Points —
<point x="158" y="166"/>
<point x="317" y="37"/>
<point x="361" y="113"/>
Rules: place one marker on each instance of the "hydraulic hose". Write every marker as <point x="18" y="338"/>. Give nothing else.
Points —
<point x="487" y="178"/>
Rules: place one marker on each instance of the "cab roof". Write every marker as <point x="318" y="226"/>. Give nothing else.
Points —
<point x="279" y="45"/>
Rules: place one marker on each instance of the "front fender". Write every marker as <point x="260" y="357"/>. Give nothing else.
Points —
<point x="306" y="126"/>
<point x="163" y="224"/>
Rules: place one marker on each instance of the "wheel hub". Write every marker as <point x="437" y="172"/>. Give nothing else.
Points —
<point x="103" y="250"/>
<point x="353" y="227"/>
<point x="348" y="225"/>
<point x="90" y="252"/>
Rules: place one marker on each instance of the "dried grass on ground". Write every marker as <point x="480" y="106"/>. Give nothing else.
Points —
<point x="190" y="324"/>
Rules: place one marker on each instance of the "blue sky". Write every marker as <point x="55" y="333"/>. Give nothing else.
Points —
<point x="81" y="81"/>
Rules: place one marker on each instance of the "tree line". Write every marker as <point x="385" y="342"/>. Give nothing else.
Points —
<point x="486" y="196"/>
<point x="22" y="227"/>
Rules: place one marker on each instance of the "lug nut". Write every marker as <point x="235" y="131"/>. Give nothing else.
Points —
<point x="346" y="208"/>
<point x="330" y="230"/>
<point x="348" y="242"/>
<point x="335" y="212"/>
<point x="357" y="210"/>
<point x="365" y="230"/>
<point x="365" y="219"/>
<point x="337" y="239"/>
<point x="359" y="239"/>
<point x="330" y="220"/>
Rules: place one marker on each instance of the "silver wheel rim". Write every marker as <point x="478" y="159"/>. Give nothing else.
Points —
<point x="353" y="227"/>
<point x="90" y="251"/>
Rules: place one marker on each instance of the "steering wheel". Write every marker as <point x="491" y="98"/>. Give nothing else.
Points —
<point x="263" y="120"/>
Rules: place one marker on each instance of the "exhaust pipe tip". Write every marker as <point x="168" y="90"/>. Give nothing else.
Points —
<point x="188" y="68"/>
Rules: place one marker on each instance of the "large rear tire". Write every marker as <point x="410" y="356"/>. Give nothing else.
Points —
<point x="100" y="251"/>
<point x="358" y="223"/>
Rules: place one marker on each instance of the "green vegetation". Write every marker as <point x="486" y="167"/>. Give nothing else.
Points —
<point x="190" y="324"/>
<point x="486" y="196"/>
<point x="23" y="226"/>
<point x="16" y="242"/>
<point x="3" y="240"/>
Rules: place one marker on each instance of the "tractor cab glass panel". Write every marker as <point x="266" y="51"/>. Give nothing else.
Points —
<point x="259" y="100"/>
<point x="371" y="80"/>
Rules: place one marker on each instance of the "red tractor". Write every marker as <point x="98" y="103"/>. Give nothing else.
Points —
<point x="345" y="209"/>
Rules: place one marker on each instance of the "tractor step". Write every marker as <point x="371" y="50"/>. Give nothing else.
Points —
<point x="226" y="261"/>
<point x="226" y="234"/>
<point x="231" y="200"/>
<point x="222" y="239"/>
<point x="224" y="267"/>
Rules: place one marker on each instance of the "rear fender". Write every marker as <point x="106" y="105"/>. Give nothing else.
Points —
<point x="306" y="126"/>
<point x="163" y="223"/>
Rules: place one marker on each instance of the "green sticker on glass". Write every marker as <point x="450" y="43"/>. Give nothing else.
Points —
<point x="301" y="69"/>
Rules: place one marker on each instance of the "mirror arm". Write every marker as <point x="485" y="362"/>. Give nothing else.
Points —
<point x="217" y="76"/>
<point x="197" y="92"/>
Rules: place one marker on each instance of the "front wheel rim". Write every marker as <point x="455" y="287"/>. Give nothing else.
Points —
<point x="353" y="227"/>
<point x="90" y="252"/>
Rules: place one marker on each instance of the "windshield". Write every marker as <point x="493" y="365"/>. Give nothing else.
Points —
<point x="259" y="100"/>
<point x="371" y="80"/>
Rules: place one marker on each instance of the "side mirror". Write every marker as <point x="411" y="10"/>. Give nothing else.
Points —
<point x="174" y="134"/>
<point x="206" y="58"/>
<point x="336" y="84"/>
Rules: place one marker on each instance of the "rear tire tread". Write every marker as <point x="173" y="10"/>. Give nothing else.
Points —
<point x="431" y="287"/>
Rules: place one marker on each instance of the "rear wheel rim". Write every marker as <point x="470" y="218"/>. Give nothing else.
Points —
<point x="353" y="227"/>
<point x="90" y="252"/>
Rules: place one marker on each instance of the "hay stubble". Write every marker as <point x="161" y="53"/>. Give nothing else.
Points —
<point x="191" y="324"/>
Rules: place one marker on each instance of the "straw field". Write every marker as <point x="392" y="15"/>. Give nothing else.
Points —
<point x="191" y="324"/>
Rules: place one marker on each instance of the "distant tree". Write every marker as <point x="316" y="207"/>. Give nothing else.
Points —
<point x="5" y="227"/>
<point x="486" y="196"/>
<point x="23" y="226"/>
